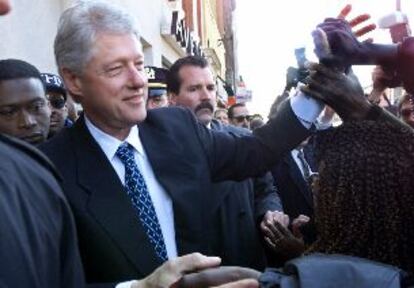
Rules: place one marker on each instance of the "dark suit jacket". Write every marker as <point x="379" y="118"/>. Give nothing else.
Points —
<point x="293" y="190"/>
<point x="186" y="157"/>
<point x="38" y="246"/>
<point x="236" y="237"/>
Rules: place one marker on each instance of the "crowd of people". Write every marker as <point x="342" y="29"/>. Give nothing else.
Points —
<point x="151" y="184"/>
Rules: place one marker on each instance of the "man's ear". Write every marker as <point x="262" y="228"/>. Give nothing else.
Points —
<point x="73" y="84"/>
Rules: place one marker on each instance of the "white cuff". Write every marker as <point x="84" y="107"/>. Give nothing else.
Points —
<point x="125" y="284"/>
<point x="306" y="108"/>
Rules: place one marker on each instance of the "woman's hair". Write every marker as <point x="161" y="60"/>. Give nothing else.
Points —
<point x="365" y="202"/>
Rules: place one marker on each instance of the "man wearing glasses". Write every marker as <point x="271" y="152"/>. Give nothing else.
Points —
<point x="57" y="96"/>
<point x="239" y="115"/>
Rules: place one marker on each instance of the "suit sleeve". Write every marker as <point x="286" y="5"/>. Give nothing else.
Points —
<point x="266" y="196"/>
<point x="234" y="157"/>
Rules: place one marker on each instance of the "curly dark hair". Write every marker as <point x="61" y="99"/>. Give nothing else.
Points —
<point x="365" y="203"/>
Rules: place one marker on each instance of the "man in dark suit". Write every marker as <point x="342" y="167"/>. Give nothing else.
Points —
<point x="117" y="155"/>
<point x="294" y="189"/>
<point x="293" y="176"/>
<point x="244" y="205"/>
<point x="38" y="245"/>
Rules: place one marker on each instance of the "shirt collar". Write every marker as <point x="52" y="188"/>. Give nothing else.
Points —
<point x="110" y="144"/>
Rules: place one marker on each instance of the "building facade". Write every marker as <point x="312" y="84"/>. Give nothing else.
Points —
<point x="169" y="29"/>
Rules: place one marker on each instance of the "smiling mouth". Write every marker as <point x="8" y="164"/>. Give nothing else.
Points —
<point x="138" y="99"/>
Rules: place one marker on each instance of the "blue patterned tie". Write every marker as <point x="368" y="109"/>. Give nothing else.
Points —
<point x="141" y="199"/>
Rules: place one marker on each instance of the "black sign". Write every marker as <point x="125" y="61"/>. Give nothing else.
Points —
<point x="184" y="37"/>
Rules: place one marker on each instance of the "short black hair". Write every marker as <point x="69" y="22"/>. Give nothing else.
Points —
<point x="173" y="79"/>
<point x="11" y="69"/>
<point x="230" y="111"/>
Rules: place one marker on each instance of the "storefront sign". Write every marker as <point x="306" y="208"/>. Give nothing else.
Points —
<point x="184" y="36"/>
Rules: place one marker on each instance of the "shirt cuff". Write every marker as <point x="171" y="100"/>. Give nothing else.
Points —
<point x="126" y="284"/>
<point x="306" y="108"/>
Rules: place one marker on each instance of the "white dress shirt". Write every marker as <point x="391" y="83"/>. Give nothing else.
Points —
<point x="306" y="108"/>
<point x="295" y="156"/>
<point x="162" y="202"/>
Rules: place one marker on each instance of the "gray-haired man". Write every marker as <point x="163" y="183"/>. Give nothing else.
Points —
<point x="118" y="156"/>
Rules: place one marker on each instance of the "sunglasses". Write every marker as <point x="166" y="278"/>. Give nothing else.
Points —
<point x="242" y="118"/>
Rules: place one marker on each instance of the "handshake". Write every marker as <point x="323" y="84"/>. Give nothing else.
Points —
<point x="198" y="271"/>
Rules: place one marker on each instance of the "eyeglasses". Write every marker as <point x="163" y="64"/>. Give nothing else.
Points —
<point x="242" y="118"/>
<point x="57" y="102"/>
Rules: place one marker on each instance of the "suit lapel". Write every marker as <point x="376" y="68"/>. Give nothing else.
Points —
<point x="173" y="171"/>
<point x="109" y="204"/>
<point x="297" y="178"/>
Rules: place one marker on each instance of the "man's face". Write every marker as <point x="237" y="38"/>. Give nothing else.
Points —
<point x="157" y="102"/>
<point x="407" y="113"/>
<point x="240" y="117"/>
<point x="197" y="92"/>
<point x="24" y="111"/>
<point x="59" y="112"/>
<point x="222" y="117"/>
<point x="113" y="86"/>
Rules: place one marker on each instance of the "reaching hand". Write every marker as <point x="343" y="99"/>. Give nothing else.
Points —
<point x="270" y="218"/>
<point x="336" y="45"/>
<point x="342" y="92"/>
<point x="335" y="42"/>
<point x="356" y="21"/>
<point x="283" y="242"/>
<point x="297" y="223"/>
<point x="229" y="276"/>
<point x="169" y="273"/>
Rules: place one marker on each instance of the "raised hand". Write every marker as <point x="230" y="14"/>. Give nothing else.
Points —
<point x="341" y="92"/>
<point x="356" y="21"/>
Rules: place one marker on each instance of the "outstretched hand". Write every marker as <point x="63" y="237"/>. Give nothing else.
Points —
<point x="360" y="19"/>
<point x="283" y="242"/>
<point x="341" y="92"/>
<point x="336" y="44"/>
<point x="227" y="277"/>
<point x="172" y="271"/>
